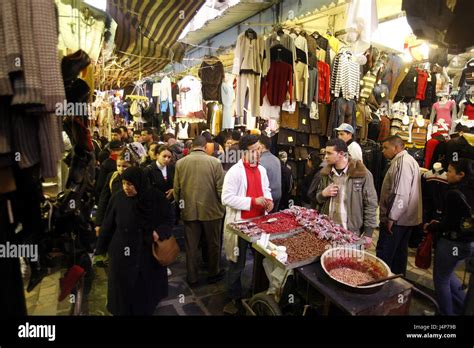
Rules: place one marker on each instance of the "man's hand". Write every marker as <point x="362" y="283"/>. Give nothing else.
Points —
<point x="261" y="201"/>
<point x="390" y="224"/>
<point x="97" y="231"/>
<point x="270" y="205"/>
<point x="330" y="191"/>
<point x="169" y="194"/>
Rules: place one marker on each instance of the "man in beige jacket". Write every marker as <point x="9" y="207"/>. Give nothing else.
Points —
<point x="400" y="205"/>
<point x="197" y="188"/>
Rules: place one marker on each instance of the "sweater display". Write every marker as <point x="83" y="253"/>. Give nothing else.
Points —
<point x="345" y="76"/>
<point x="422" y="83"/>
<point x="278" y="83"/>
<point x="324" y="77"/>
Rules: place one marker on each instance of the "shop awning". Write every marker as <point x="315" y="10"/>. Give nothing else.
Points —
<point x="146" y="36"/>
<point x="232" y="16"/>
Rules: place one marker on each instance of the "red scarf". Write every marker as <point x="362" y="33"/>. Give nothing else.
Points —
<point x="254" y="190"/>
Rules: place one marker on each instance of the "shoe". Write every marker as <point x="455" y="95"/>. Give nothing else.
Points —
<point x="69" y="281"/>
<point x="233" y="307"/>
<point x="169" y="272"/>
<point x="214" y="279"/>
<point x="35" y="278"/>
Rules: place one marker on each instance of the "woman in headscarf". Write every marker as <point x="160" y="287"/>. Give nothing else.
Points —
<point x="136" y="215"/>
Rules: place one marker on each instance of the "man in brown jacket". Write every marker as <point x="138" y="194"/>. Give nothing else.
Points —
<point x="197" y="188"/>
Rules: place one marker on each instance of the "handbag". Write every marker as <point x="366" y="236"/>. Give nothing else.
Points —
<point x="465" y="232"/>
<point x="165" y="251"/>
<point x="423" y="253"/>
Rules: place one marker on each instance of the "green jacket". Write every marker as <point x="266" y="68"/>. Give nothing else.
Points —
<point x="360" y="197"/>
<point x="198" y="180"/>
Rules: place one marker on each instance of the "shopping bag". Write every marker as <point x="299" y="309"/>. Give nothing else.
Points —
<point x="423" y="253"/>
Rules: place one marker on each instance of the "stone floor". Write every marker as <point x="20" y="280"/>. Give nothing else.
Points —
<point x="204" y="299"/>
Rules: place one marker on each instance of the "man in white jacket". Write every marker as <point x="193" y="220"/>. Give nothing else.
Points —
<point x="400" y="205"/>
<point x="246" y="194"/>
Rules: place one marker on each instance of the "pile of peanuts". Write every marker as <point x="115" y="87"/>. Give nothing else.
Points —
<point x="302" y="246"/>
<point x="351" y="276"/>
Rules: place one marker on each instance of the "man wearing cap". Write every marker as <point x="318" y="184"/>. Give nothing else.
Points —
<point x="345" y="132"/>
<point x="108" y="166"/>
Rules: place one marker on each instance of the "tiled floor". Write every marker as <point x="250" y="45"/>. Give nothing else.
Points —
<point x="204" y="299"/>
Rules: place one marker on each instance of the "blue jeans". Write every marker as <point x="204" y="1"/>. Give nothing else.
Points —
<point x="234" y="273"/>
<point x="449" y="294"/>
<point x="393" y="248"/>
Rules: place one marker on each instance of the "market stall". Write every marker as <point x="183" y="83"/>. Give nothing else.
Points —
<point x="296" y="238"/>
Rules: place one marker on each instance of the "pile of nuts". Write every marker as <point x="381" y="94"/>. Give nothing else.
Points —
<point x="351" y="276"/>
<point x="302" y="246"/>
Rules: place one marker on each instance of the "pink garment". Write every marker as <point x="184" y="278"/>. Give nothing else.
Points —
<point x="443" y="111"/>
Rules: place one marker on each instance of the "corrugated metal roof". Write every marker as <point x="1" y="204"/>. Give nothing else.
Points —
<point x="230" y="17"/>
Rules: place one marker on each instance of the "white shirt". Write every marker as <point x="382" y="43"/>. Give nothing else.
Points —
<point x="163" y="170"/>
<point x="190" y="94"/>
<point x="355" y="151"/>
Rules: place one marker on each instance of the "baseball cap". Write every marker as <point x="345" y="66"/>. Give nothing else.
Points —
<point x="345" y="127"/>
<point x="115" y="145"/>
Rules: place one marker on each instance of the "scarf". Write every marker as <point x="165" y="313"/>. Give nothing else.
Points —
<point x="254" y="190"/>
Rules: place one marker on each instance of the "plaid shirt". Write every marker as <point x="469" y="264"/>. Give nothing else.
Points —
<point x="337" y="208"/>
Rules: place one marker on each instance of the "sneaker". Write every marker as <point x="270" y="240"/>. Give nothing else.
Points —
<point x="233" y="307"/>
<point x="169" y="272"/>
<point x="214" y="279"/>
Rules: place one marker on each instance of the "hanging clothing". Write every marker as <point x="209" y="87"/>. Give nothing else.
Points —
<point x="278" y="83"/>
<point x="312" y="85"/>
<point x="164" y="90"/>
<point x="324" y="76"/>
<point x="420" y="132"/>
<point x="248" y="53"/>
<point x="384" y="132"/>
<point x="323" y="51"/>
<point x="301" y="45"/>
<point x="467" y="109"/>
<point x="342" y="111"/>
<point x="409" y="87"/>
<point x="362" y="21"/>
<point x="228" y="97"/>
<point x="183" y="130"/>
<point x="211" y="74"/>
<point x="345" y="77"/>
<point x="268" y="111"/>
<point x="397" y="127"/>
<point x="391" y="71"/>
<point x="301" y="77"/>
<point x="312" y="51"/>
<point x="422" y="83"/>
<point x="443" y="111"/>
<point x="273" y="40"/>
<point x="190" y="93"/>
<point x="430" y="93"/>
<point x="214" y="117"/>
<point x="430" y="148"/>
<point x="252" y="83"/>
<point x="467" y="75"/>
<point x="368" y="84"/>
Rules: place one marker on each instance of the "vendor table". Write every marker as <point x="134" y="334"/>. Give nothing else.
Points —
<point x="393" y="298"/>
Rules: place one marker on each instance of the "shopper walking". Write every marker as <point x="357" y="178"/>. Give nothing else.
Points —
<point x="400" y="204"/>
<point x="451" y="247"/>
<point x="113" y="184"/>
<point x="161" y="172"/>
<point x="108" y="166"/>
<point x="135" y="217"/>
<point x="197" y="188"/>
<point x="346" y="190"/>
<point x="246" y="194"/>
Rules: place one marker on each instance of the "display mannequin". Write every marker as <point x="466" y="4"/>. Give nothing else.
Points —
<point x="443" y="109"/>
<point x="420" y="131"/>
<point x="467" y="108"/>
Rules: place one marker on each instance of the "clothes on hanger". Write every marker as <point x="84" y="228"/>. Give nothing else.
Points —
<point x="182" y="130"/>
<point x="324" y="77"/>
<point x="345" y="77"/>
<point x="190" y="93"/>
<point x="211" y="73"/>
<point x="228" y="102"/>
<point x="422" y="84"/>
<point x="278" y="83"/>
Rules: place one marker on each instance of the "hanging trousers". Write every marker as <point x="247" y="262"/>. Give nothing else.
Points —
<point x="252" y="82"/>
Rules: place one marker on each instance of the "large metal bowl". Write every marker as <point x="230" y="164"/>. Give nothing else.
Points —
<point x="363" y="259"/>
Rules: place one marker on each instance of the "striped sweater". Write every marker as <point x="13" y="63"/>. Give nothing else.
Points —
<point x="345" y="77"/>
